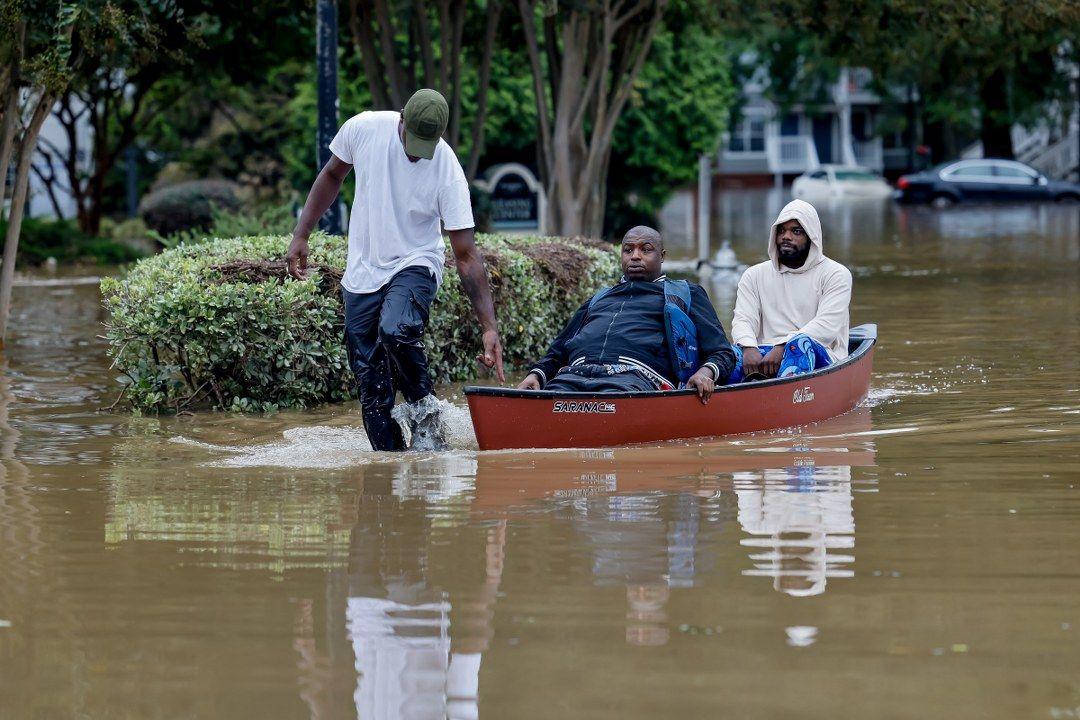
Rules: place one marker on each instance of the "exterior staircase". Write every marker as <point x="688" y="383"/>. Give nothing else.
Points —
<point x="1055" y="156"/>
<point x="1060" y="160"/>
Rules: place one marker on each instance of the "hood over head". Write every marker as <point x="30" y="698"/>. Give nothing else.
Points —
<point x="807" y="216"/>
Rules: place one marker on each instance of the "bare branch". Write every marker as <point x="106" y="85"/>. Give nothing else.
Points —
<point x="48" y="183"/>
<point x="640" y="7"/>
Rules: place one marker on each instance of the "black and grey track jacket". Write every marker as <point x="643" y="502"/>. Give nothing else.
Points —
<point x="626" y="327"/>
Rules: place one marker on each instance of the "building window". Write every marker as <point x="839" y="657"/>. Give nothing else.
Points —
<point x="748" y="135"/>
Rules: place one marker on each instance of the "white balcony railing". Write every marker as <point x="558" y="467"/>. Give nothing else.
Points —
<point x="791" y="153"/>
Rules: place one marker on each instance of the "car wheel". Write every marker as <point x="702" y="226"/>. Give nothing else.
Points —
<point x="943" y="201"/>
<point x="1068" y="199"/>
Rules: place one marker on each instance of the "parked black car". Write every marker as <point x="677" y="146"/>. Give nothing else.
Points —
<point x="983" y="180"/>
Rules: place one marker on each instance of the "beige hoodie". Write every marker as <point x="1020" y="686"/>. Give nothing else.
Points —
<point x="776" y="303"/>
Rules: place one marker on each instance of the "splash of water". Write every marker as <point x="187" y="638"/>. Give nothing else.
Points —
<point x="439" y="423"/>
<point x="318" y="446"/>
<point x="327" y="447"/>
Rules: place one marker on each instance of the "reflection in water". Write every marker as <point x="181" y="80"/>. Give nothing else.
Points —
<point x="20" y="532"/>
<point x="418" y="646"/>
<point x="647" y="542"/>
<point x="232" y="521"/>
<point x="796" y="517"/>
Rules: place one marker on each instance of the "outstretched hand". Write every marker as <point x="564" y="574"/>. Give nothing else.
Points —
<point x="703" y="382"/>
<point x="492" y="356"/>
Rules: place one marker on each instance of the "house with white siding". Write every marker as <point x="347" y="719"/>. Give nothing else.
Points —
<point x="768" y="144"/>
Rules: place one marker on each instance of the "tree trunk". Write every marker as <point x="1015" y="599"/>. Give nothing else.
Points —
<point x="391" y="78"/>
<point x="996" y="127"/>
<point x="7" y="136"/>
<point x="602" y="52"/>
<point x="395" y="74"/>
<point x="453" y="128"/>
<point x="494" y="9"/>
<point x="360" y="25"/>
<point x="10" y="98"/>
<point x="18" y="201"/>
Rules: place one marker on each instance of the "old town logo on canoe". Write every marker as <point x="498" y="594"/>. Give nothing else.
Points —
<point x="803" y="394"/>
<point x="564" y="406"/>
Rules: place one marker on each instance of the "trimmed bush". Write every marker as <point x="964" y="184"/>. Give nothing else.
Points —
<point x="219" y="324"/>
<point x="187" y="205"/>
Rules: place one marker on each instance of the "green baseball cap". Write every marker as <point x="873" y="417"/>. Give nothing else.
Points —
<point x="426" y="115"/>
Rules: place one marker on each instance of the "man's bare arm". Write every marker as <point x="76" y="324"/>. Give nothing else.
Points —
<point x="474" y="281"/>
<point x="323" y="193"/>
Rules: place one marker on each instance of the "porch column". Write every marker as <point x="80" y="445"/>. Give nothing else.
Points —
<point x="843" y="103"/>
<point x="704" y="205"/>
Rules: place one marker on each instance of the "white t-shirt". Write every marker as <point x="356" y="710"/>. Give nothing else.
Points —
<point x="394" y="223"/>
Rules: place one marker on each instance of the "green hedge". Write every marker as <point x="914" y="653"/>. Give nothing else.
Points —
<point x="218" y="325"/>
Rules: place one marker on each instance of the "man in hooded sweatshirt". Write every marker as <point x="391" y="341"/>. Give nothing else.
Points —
<point x="791" y="312"/>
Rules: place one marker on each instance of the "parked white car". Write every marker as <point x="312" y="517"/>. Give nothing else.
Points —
<point x="840" y="181"/>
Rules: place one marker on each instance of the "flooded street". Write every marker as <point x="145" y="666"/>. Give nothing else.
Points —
<point x="918" y="557"/>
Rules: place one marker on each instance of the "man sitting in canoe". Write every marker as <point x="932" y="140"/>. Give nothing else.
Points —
<point x="791" y="312"/>
<point x="645" y="333"/>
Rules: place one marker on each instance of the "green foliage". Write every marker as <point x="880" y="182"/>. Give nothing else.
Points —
<point x="976" y="66"/>
<point x="185" y="335"/>
<point x="62" y="239"/>
<point x="266" y="220"/>
<point x="187" y="205"/>
<point x="299" y="116"/>
<point x="510" y="124"/>
<point x="680" y="106"/>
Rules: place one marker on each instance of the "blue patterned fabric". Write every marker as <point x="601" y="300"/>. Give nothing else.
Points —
<point x="802" y="355"/>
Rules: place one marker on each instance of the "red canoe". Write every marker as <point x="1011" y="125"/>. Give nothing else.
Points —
<point x="505" y="418"/>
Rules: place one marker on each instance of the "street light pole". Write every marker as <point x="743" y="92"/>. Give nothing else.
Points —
<point x="326" y="43"/>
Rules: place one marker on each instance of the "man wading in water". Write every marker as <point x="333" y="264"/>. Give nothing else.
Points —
<point x="407" y="180"/>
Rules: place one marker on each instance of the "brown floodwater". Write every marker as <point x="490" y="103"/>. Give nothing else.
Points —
<point x="918" y="557"/>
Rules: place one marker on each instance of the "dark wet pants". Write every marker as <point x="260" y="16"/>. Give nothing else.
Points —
<point x="598" y="379"/>
<point x="383" y="331"/>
